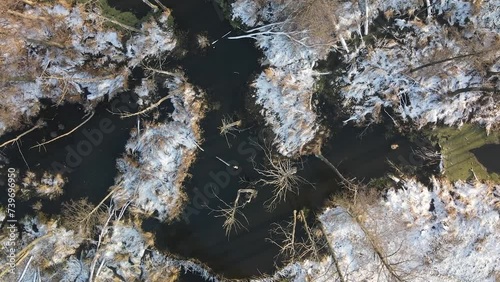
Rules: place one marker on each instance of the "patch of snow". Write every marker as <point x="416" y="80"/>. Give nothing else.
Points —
<point x="75" y="271"/>
<point x="246" y="11"/>
<point x="286" y="100"/>
<point x="157" y="38"/>
<point x="482" y="15"/>
<point x="388" y="76"/>
<point x="158" y="157"/>
<point x="447" y="232"/>
<point x="285" y="88"/>
<point x="95" y="61"/>
<point x="147" y="87"/>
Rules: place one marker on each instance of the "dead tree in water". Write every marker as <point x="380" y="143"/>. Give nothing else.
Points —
<point x="228" y="127"/>
<point x="290" y="244"/>
<point x="348" y="183"/>
<point x="281" y="174"/>
<point x="230" y="212"/>
<point x="295" y="246"/>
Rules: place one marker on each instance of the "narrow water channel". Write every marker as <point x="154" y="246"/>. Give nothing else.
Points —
<point x="86" y="158"/>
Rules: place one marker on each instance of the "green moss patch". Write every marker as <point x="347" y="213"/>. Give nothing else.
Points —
<point x="456" y="145"/>
<point x="126" y="18"/>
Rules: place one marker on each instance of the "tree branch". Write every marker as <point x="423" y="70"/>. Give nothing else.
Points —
<point x="39" y="125"/>
<point x="65" y="134"/>
<point x="146" y="109"/>
<point x="470" y="89"/>
<point x="446" y="60"/>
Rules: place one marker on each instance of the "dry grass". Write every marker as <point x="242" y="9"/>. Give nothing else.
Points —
<point x="456" y="146"/>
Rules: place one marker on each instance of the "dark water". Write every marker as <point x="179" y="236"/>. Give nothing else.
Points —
<point x="87" y="158"/>
<point x="190" y="277"/>
<point x="138" y="8"/>
<point x="489" y="156"/>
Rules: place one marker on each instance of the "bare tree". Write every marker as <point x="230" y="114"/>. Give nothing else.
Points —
<point x="105" y="228"/>
<point x="351" y="184"/>
<point x="309" y="23"/>
<point x="281" y="174"/>
<point x="82" y="216"/>
<point x="385" y="263"/>
<point x="232" y="212"/>
<point x="294" y="247"/>
<point x="388" y="265"/>
<point x="287" y="242"/>
<point x="310" y="244"/>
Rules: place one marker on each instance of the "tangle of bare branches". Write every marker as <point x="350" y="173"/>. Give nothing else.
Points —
<point x="228" y="127"/>
<point x="281" y="174"/>
<point x="232" y="213"/>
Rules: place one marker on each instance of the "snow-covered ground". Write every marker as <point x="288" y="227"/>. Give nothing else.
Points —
<point x="69" y="55"/>
<point x="447" y="232"/>
<point x="50" y="253"/>
<point x="286" y="98"/>
<point x="158" y="157"/>
<point x="285" y="88"/>
<point x="400" y="74"/>
<point x="97" y="62"/>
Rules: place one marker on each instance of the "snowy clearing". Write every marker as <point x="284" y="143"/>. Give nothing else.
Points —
<point x="447" y="232"/>
<point x="158" y="157"/>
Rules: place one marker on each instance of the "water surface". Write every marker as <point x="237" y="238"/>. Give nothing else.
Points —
<point x="489" y="156"/>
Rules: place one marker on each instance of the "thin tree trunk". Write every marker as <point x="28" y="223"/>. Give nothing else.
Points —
<point x="121" y="24"/>
<point x="332" y="253"/>
<point x="151" y="5"/>
<point x="309" y="235"/>
<point x="344" y="44"/>
<point x="326" y="161"/>
<point x="470" y="89"/>
<point x="363" y="7"/>
<point x="446" y="60"/>
<point x="48" y="43"/>
<point x="29" y="17"/>
<point x="21" y="135"/>
<point x="429" y="9"/>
